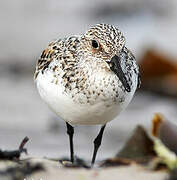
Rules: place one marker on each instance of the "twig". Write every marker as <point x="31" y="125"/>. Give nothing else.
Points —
<point x="22" y="144"/>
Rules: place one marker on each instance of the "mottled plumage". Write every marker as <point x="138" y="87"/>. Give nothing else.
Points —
<point x="88" y="79"/>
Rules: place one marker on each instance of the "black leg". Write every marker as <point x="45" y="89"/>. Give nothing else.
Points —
<point x="70" y="132"/>
<point x="97" y="143"/>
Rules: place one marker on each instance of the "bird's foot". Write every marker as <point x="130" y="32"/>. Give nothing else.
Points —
<point x="78" y="163"/>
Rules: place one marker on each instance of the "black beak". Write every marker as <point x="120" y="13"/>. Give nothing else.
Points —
<point x="117" y="69"/>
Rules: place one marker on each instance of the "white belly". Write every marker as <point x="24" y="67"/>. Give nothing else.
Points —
<point x="75" y="113"/>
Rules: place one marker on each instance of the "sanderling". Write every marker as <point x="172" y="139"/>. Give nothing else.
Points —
<point x="87" y="79"/>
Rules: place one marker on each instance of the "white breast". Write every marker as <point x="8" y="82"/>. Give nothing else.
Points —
<point x="75" y="113"/>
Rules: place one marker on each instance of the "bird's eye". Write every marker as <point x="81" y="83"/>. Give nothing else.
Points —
<point x="95" y="44"/>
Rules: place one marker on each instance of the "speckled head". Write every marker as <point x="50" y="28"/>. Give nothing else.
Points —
<point x="103" y="40"/>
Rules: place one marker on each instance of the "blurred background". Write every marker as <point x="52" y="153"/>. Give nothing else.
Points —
<point x="150" y="28"/>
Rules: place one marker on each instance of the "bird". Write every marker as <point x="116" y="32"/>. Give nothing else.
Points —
<point x="87" y="79"/>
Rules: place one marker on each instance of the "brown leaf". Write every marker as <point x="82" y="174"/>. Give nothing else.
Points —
<point x="158" y="72"/>
<point x="138" y="149"/>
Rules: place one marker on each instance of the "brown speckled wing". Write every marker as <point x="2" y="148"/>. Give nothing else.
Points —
<point x="47" y="56"/>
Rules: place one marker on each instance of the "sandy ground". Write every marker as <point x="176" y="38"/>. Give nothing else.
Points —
<point x="126" y="173"/>
<point x="52" y="170"/>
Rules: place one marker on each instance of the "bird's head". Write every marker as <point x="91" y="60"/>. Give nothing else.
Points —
<point x="105" y="43"/>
